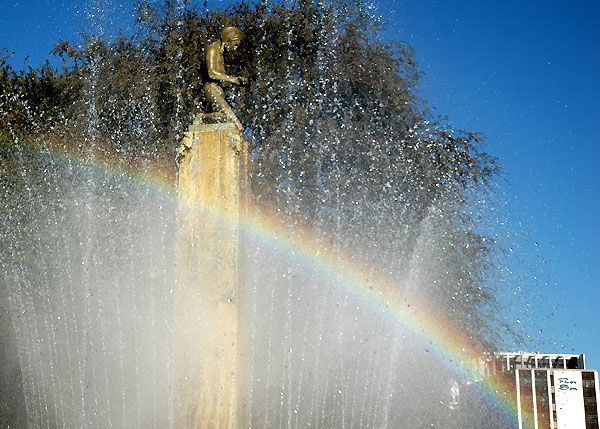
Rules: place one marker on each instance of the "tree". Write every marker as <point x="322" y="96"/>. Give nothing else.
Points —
<point x="338" y="132"/>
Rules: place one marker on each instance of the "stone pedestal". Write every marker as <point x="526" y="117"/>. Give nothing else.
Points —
<point x="212" y="181"/>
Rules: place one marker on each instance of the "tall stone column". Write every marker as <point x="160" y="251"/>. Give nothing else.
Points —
<point x="212" y="182"/>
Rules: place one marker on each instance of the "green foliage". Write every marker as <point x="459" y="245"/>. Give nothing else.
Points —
<point x="31" y="98"/>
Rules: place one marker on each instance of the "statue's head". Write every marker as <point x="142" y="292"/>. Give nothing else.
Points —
<point x="231" y="38"/>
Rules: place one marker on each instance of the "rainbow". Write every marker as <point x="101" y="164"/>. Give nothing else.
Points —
<point x="359" y="281"/>
<point x="374" y="291"/>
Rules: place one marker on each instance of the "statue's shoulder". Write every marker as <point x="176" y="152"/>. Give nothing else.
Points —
<point x="214" y="46"/>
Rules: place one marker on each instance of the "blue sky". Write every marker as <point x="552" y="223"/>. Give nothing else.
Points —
<point x="523" y="73"/>
<point x="526" y="75"/>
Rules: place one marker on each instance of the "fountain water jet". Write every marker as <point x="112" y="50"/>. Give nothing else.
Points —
<point x="90" y="269"/>
<point x="323" y="339"/>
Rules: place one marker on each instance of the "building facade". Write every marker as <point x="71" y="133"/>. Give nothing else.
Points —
<point x="551" y="391"/>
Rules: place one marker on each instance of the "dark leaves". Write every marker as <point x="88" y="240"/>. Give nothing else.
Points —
<point x="337" y="130"/>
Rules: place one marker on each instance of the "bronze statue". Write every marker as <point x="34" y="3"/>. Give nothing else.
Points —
<point x="216" y="79"/>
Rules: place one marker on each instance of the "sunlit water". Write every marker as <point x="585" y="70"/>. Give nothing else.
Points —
<point x="90" y="286"/>
<point x="89" y="269"/>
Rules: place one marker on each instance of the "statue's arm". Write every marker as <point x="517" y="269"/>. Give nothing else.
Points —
<point x="213" y="55"/>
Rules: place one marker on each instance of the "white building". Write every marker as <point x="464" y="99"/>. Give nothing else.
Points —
<point x="551" y="391"/>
